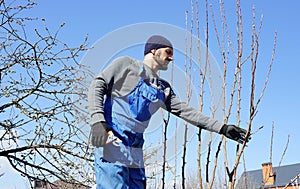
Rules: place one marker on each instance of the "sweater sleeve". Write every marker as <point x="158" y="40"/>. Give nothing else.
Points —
<point x="193" y="116"/>
<point x="97" y="91"/>
<point x="100" y="87"/>
<point x="115" y="80"/>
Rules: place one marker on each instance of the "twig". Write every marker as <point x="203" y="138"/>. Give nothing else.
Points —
<point x="271" y="142"/>
<point x="292" y="181"/>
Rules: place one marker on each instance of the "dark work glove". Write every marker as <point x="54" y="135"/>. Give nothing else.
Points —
<point x="233" y="132"/>
<point x="99" y="134"/>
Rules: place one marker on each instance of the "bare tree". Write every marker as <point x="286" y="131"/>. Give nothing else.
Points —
<point x="246" y="62"/>
<point x="243" y="59"/>
<point x="42" y="95"/>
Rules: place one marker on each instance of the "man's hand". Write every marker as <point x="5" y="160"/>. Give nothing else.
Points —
<point x="233" y="132"/>
<point x="99" y="134"/>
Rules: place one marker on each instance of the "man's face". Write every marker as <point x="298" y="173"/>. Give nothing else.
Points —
<point x="163" y="57"/>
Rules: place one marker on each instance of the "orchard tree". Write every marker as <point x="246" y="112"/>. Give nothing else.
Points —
<point x="236" y="39"/>
<point x="41" y="100"/>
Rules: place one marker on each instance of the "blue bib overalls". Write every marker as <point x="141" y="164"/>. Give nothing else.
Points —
<point x="119" y="164"/>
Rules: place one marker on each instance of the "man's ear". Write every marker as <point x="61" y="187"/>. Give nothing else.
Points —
<point x="153" y="51"/>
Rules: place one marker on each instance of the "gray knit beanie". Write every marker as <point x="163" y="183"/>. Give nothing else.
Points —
<point x="156" y="42"/>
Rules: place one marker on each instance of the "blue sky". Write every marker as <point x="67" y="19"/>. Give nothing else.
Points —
<point x="280" y="103"/>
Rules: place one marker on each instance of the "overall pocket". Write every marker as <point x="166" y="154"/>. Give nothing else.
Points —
<point x="140" y="100"/>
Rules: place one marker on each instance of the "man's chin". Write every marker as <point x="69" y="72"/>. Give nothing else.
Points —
<point x="165" y="67"/>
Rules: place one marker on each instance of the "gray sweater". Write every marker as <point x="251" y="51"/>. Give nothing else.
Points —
<point x="121" y="77"/>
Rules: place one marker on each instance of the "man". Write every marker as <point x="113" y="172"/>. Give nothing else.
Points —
<point x="122" y="100"/>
